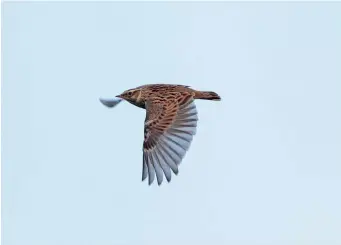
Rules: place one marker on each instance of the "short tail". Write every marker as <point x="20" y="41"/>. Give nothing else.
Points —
<point x="206" y="95"/>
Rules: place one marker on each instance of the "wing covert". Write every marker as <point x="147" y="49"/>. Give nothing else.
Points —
<point x="168" y="133"/>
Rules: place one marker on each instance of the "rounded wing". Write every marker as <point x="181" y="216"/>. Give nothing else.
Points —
<point x="169" y="130"/>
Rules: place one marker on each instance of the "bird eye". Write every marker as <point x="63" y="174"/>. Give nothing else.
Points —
<point x="130" y="93"/>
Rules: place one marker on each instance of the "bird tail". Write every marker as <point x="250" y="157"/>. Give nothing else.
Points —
<point x="206" y="95"/>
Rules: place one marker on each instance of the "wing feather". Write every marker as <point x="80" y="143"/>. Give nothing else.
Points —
<point x="169" y="131"/>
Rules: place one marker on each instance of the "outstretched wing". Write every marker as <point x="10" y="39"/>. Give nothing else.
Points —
<point x="168" y="133"/>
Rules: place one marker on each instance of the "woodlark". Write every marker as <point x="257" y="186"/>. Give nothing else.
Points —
<point x="170" y="124"/>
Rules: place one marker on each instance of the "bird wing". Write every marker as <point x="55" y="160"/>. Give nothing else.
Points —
<point x="168" y="132"/>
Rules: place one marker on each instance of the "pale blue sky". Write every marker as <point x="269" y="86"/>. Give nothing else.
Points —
<point x="264" y="167"/>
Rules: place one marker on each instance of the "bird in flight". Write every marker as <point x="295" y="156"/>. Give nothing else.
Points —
<point x="171" y="120"/>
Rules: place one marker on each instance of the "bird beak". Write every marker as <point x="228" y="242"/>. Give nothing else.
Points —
<point x="119" y="96"/>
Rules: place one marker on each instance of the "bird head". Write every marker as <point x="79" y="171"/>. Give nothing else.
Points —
<point x="131" y="95"/>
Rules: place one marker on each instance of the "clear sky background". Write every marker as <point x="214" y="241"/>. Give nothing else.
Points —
<point x="264" y="167"/>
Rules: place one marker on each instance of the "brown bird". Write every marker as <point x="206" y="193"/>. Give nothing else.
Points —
<point x="171" y="120"/>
